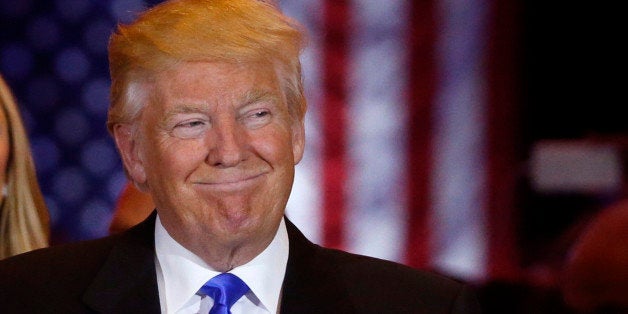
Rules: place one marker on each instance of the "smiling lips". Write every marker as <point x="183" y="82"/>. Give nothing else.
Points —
<point x="233" y="182"/>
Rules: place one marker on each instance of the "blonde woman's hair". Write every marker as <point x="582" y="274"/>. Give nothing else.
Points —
<point x="238" y="31"/>
<point x="23" y="213"/>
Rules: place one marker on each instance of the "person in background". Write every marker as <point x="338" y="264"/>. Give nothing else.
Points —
<point x="23" y="213"/>
<point x="132" y="207"/>
<point x="207" y="111"/>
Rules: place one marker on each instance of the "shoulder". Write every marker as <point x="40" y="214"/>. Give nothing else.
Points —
<point x="366" y="269"/>
<point x="395" y="286"/>
<point x="64" y="277"/>
<point x="309" y="258"/>
<point x="75" y="262"/>
<point x="63" y="261"/>
<point x="58" y="275"/>
<point x="362" y="284"/>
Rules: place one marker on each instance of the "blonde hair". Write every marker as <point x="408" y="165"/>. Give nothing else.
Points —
<point x="23" y="213"/>
<point x="172" y="32"/>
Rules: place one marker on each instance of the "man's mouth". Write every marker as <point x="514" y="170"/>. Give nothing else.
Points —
<point x="230" y="183"/>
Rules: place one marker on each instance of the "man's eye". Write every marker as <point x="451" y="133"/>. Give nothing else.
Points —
<point x="190" y="129"/>
<point x="191" y="124"/>
<point x="258" y="118"/>
<point x="261" y="113"/>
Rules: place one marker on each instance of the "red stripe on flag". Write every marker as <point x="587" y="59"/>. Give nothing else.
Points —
<point x="502" y="249"/>
<point x="421" y="91"/>
<point x="333" y="120"/>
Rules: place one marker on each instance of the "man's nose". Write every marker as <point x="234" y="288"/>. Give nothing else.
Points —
<point x="228" y="147"/>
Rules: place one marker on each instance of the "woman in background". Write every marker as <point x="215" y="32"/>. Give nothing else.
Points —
<point x="23" y="213"/>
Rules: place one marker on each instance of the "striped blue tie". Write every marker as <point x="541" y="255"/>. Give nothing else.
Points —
<point x="225" y="289"/>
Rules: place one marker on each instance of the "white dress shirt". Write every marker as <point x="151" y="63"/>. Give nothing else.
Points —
<point x="180" y="274"/>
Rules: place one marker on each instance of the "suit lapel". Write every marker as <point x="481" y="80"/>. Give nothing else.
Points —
<point x="311" y="284"/>
<point x="127" y="281"/>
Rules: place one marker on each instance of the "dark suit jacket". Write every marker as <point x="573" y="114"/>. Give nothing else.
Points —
<point x="117" y="275"/>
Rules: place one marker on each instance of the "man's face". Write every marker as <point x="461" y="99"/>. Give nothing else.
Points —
<point x="216" y="148"/>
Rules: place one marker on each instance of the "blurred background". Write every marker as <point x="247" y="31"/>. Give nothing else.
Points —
<point x="475" y="138"/>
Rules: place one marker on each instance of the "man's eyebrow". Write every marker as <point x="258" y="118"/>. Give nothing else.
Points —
<point x="183" y="109"/>
<point x="257" y="95"/>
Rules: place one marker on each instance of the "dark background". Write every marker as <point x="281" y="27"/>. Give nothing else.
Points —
<point x="572" y="87"/>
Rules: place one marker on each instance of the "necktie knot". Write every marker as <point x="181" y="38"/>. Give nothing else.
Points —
<point x="225" y="289"/>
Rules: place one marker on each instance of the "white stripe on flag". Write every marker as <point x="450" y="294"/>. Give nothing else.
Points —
<point x="459" y="184"/>
<point x="376" y="138"/>
<point x="304" y="205"/>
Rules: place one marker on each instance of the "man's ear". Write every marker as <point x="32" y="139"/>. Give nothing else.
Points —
<point x="128" y="147"/>
<point x="298" y="141"/>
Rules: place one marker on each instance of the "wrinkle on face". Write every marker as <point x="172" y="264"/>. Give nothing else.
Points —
<point x="222" y="192"/>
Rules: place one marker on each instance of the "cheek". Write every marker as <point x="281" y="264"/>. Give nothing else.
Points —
<point x="276" y="148"/>
<point x="173" y="158"/>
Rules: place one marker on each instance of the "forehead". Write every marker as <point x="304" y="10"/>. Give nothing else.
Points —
<point x="209" y="80"/>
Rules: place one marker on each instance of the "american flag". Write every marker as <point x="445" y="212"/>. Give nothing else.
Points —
<point x="407" y="150"/>
<point x="409" y="133"/>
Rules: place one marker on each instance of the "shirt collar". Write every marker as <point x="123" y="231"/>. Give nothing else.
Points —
<point x="183" y="272"/>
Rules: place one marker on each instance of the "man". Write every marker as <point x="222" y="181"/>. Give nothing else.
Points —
<point x="207" y="113"/>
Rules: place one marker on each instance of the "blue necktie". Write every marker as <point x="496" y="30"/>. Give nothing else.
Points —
<point x="225" y="289"/>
